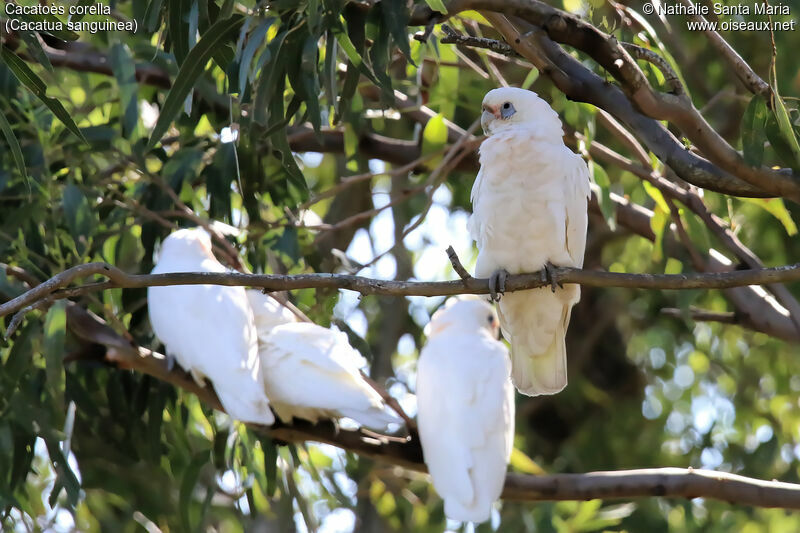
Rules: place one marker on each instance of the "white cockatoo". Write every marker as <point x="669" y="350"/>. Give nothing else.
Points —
<point x="209" y="329"/>
<point x="529" y="204"/>
<point x="465" y="407"/>
<point x="311" y="372"/>
<point x="268" y="312"/>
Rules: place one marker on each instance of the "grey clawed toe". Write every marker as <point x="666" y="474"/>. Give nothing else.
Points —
<point x="170" y="360"/>
<point x="550" y="276"/>
<point x="497" y="284"/>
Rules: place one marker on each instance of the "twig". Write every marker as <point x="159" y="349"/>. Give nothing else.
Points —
<point x="455" y="154"/>
<point x="456" y="262"/>
<point x="390" y="401"/>
<point x="701" y="315"/>
<point x="697" y="259"/>
<point x="743" y="71"/>
<point x="517" y="282"/>
<point x="349" y="181"/>
<point x="19" y="316"/>
<point x="424" y="35"/>
<point x="670" y="77"/>
<point x="230" y="253"/>
<point x="20" y="273"/>
<point x="454" y="37"/>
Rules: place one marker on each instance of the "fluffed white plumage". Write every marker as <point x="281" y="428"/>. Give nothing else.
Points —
<point x="209" y="329"/>
<point x="268" y="313"/>
<point x="465" y="407"/>
<point x="312" y="372"/>
<point x="529" y="207"/>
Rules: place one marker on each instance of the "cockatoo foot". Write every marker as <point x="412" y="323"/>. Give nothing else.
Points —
<point x="550" y="276"/>
<point x="170" y="360"/>
<point x="497" y="284"/>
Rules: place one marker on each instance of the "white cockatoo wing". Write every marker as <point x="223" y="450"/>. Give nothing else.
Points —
<point x="268" y="312"/>
<point x="465" y="419"/>
<point x="577" y="192"/>
<point x="311" y="372"/>
<point x="209" y="329"/>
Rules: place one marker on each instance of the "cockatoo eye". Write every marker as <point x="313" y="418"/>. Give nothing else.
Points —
<point x="490" y="319"/>
<point x="507" y="110"/>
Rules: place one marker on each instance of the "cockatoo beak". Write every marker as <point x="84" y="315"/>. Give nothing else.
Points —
<point x="489" y="114"/>
<point x="496" y="328"/>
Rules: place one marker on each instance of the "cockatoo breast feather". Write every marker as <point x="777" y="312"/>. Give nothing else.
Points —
<point x="527" y="177"/>
<point x="465" y="411"/>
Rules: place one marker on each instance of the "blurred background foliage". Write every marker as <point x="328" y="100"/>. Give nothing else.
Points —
<point x="246" y="112"/>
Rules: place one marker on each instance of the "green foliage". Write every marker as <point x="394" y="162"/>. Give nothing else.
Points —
<point x="223" y="106"/>
<point x="38" y="87"/>
<point x="753" y="131"/>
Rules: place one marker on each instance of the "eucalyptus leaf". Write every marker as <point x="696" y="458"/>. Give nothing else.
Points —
<point x="13" y="144"/>
<point x="39" y="89"/>
<point x="754" y="133"/>
<point x="125" y="72"/>
<point x="190" y="70"/>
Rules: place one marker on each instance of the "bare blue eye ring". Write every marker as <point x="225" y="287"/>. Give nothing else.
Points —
<point x="507" y="110"/>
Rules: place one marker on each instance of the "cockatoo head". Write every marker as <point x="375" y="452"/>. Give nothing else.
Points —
<point x="507" y="107"/>
<point x="466" y="312"/>
<point x="187" y="243"/>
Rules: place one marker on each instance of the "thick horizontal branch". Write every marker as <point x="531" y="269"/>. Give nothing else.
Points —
<point x="395" y="151"/>
<point x="594" y="278"/>
<point x="664" y="482"/>
<point x="82" y="57"/>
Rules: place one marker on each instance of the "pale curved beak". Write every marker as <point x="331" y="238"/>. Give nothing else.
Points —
<point x="489" y="114"/>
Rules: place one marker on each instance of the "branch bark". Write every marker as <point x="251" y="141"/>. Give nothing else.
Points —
<point x="661" y="482"/>
<point x="555" y="25"/>
<point x="594" y="278"/>
<point x="581" y="84"/>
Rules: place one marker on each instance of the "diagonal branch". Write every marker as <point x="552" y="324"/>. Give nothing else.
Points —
<point x="581" y="84"/>
<point x="559" y="26"/>
<point x="754" y="83"/>
<point x="663" y="482"/>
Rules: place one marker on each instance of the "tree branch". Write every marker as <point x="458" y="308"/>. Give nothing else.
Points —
<point x="454" y="37"/>
<point x="701" y="315"/>
<point x="661" y="482"/>
<point x="754" y="83"/>
<point x="581" y="84"/>
<point x="594" y="278"/>
<point x="565" y="28"/>
<point x="82" y="57"/>
<point x="728" y="165"/>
